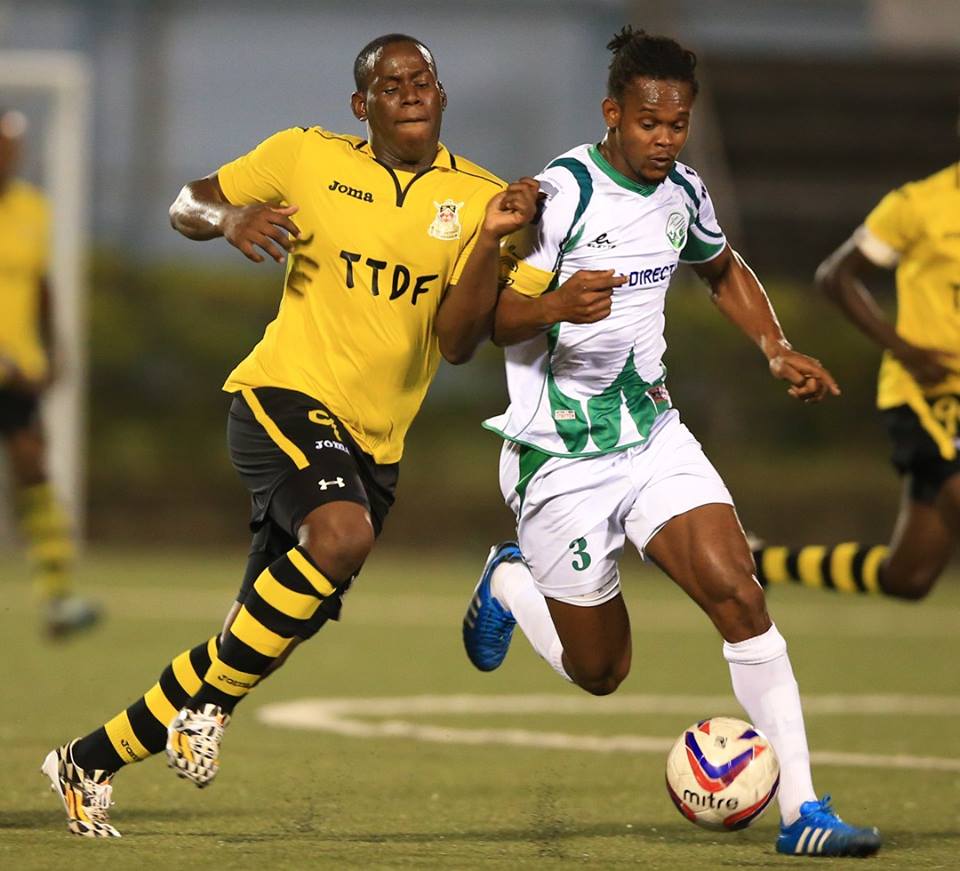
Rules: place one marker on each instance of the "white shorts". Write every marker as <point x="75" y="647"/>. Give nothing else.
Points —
<point x="574" y="513"/>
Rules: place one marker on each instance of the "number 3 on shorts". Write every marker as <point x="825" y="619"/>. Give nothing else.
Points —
<point x="582" y="559"/>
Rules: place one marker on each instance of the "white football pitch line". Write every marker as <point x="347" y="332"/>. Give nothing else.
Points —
<point x="341" y="716"/>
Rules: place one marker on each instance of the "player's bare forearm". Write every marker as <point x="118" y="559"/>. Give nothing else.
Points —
<point x="584" y="298"/>
<point x="519" y="317"/>
<point x="839" y="277"/>
<point x="199" y="210"/>
<point x="465" y="317"/>
<point x="738" y="294"/>
<point x="202" y="211"/>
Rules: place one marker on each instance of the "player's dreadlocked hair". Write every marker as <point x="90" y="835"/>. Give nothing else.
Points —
<point x="636" y="53"/>
<point x="368" y="56"/>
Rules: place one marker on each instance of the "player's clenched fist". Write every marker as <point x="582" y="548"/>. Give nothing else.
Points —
<point x="512" y="208"/>
<point x="585" y="297"/>
<point x="261" y="226"/>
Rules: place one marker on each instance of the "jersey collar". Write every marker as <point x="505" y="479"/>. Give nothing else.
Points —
<point x="443" y="160"/>
<point x="618" y="177"/>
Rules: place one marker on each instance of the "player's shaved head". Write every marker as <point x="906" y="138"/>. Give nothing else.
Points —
<point x="367" y="58"/>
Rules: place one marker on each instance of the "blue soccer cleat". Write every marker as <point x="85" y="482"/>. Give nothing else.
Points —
<point x="487" y="625"/>
<point x="820" y="832"/>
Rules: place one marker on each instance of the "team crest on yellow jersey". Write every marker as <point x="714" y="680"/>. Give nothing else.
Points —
<point x="446" y="225"/>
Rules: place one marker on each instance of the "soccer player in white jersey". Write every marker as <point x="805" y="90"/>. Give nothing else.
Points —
<point x="594" y="452"/>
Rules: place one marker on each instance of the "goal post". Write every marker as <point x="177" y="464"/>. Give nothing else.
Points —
<point x="61" y="82"/>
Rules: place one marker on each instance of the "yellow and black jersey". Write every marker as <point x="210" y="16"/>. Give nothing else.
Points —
<point x="24" y="254"/>
<point x="917" y="229"/>
<point x="377" y="249"/>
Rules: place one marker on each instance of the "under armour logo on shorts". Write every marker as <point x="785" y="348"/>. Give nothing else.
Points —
<point x="336" y="482"/>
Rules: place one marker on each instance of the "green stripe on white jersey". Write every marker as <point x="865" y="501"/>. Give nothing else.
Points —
<point x="587" y="389"/>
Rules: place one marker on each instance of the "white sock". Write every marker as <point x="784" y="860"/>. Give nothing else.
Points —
<point x="512" y="584"/>
<point x="764" y="684"/>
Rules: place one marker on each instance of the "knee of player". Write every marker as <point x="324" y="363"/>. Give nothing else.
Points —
<point x="735" y="585"/>
<point x="338" y="544"/>
<point x="912" y="585"/>
<point x="736" y="602"/>
<point x="605" y="680"/>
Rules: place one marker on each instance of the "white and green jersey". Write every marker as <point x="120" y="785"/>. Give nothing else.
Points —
<point x="586" y="389"/>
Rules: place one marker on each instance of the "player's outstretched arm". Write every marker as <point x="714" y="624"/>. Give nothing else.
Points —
<point x="840" y="277"/>
<point x="738" y="293"/>
<point x="465" y="316"/>
<point x="584" y="298"/>
<point x="201" y="211"/>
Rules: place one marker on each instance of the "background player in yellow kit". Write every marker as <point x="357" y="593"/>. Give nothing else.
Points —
<point x="392" y="250"/>
<point x="916" y="230"/>
<point x="26" y="371"/>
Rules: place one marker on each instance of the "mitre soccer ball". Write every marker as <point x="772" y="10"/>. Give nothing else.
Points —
<point x="722" y="773"/>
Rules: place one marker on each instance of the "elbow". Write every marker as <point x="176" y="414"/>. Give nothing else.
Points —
<point x="455" y="354"/>
<point x="457" y="358"/>
<point x="173" y="213"/>
<point x="826" y="280"/>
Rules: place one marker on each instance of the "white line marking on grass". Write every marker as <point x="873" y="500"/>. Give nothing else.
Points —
<point x="340" y="716"/>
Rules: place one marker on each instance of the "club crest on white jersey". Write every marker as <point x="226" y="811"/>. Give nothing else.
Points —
<point x="677" y="230"/>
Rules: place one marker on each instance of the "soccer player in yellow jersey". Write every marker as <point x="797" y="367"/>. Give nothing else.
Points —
<point x="392" y="252"/>
<point x="26" y="346"/>
<point x="915" y="230"/>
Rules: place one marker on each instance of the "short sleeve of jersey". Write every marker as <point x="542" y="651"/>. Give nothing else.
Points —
<point x="532" y="255"/>
<point x="705" y="238"/>
<point x="891" y="228"/>
<point x="263" y="175"/>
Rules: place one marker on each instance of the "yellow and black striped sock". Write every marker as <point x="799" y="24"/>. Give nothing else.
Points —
<point x="49" y="545"/>
<point x="141" y="730"/>
<point x="278" y="608"/>
<point x="849" y="567"/>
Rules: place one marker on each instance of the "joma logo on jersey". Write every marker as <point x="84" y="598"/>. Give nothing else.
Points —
<point x="330" y="443"/>
<point x="234" y="682"/>
<point x="676" y="230"/>
<point x="356" y="193"/>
